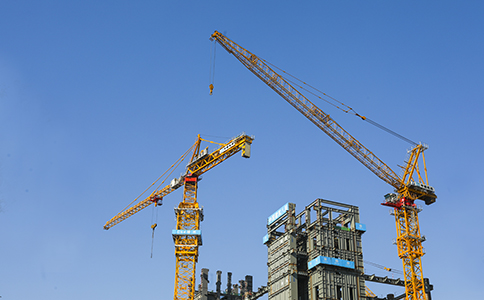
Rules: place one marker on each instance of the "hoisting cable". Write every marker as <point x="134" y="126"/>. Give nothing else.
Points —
<point x="153" y="237"/>
<point x="153" y="226"/>
<point x="214" y="136"/>
<point x="212" y="66"/>
<point x="390" y="131"/>
<point x="348" y="108"/>
<point x="177" y="163"/>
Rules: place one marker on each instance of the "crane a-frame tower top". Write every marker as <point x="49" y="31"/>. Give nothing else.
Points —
<point x="411" y="186"/>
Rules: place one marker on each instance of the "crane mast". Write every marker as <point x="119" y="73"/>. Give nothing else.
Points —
<point x="409" y="241"/>
<point x="187" y="235"/>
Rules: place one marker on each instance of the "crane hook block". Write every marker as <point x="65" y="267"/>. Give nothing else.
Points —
<point x="211" y="88"/>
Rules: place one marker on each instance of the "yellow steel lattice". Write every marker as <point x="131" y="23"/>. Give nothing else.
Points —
<point x="409" y="245"/>
<point x="186" y="246"/>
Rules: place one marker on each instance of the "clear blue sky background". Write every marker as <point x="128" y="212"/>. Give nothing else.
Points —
<point x="98" y="98"/>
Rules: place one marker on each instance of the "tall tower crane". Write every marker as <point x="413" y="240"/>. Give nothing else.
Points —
<point x="408" y="188"/>
<point x="187" y="235"/>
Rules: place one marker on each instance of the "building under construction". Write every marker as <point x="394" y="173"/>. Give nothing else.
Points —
<point x="317" y="254"/>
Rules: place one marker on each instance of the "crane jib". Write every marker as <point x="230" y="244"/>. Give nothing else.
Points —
<point x="311" y="111"/>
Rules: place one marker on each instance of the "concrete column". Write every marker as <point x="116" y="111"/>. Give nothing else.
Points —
<point x="204" y="284"/>
<point x="219" y="283"/>
<point x="229" y="283"/>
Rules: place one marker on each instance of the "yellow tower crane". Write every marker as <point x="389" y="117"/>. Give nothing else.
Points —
<point x="408" y="188"/>
<point x="187" y="235"/>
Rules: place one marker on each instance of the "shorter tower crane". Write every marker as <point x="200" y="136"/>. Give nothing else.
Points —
<point x="187" y="235"/>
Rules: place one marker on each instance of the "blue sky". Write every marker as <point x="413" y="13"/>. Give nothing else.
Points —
<point x="98" y="99"/>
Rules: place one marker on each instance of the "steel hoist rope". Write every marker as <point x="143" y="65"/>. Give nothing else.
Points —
<point x="335" y="102"/>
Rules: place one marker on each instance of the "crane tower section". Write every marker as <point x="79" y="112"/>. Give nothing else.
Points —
<point x="187" y="235"/>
